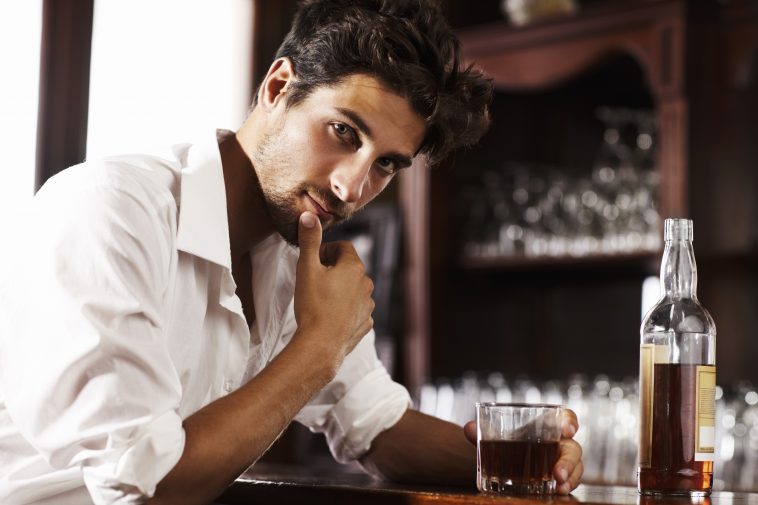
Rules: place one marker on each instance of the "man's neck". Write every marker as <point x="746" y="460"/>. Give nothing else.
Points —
<point x="249" y="222"/>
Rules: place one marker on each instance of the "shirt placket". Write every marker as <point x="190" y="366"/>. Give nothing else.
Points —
<point x="237" y="351"/>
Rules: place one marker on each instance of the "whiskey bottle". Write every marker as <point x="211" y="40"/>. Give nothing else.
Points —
<point x="677" y="378"/>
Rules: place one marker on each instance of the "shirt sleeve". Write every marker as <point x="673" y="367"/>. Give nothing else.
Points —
<point x="84" y="370"/>
<point x="361" y="402"/>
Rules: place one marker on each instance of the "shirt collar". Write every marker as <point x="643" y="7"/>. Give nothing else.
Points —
<point x="203" y="228"/>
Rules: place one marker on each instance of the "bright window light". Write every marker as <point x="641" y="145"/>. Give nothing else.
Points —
<point x="651" y="293"/>
<point x="20" y="30"/>
<point x="166" y="72"/>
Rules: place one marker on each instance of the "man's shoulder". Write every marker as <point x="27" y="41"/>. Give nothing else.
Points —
<point x="149" y="176"/>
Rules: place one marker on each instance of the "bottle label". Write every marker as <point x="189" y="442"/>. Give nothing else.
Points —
<point x="705" y="427"/>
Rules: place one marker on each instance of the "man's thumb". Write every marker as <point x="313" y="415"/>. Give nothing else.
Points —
<point x="309" y="235"/>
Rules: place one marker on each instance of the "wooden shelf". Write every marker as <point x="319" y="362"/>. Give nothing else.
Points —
<point x="641" y="260"/>
<point x="694" y="63"/>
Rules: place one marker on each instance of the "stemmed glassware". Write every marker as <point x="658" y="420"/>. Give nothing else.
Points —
<point x="527" y="210"/>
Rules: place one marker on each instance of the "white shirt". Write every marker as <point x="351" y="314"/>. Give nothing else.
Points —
<point x="118" y="319"/>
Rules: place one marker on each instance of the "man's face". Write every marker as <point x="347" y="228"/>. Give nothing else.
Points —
<point x="334" y="152"/>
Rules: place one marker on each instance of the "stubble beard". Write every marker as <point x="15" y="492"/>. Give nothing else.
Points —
<point x="272" y="166"/>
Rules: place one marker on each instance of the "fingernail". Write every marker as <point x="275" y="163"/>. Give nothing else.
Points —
<point x="308" y="219"/>
<point x="563" y="474"/>
<point x="564" y="488"/>
<point x="572" y="429"/>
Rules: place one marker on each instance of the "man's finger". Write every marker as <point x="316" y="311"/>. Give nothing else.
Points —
<point x="470" y="431"/>
<point x="573" y="480"/>
<point x="576" y="477"/>
<point x="568" y="470"/>
<point x="569" y="423"/>
<point x="328" y="254"/>
<point x="309" y="238"/>
<point x="331" y="252"/>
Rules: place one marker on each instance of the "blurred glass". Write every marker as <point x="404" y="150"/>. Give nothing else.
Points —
<point x="608" y="417"/>
<point x="538" y="211"/>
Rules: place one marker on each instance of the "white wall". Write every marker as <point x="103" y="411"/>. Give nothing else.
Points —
<point x="20" y="30"/>
<point x="167" y="71"/>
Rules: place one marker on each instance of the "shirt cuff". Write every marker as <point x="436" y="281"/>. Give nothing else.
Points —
<point x="360" y="416"/>
<point x="133" y="477"/>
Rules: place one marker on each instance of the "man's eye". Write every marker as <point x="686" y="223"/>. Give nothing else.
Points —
<point x="387" y="165"/>
<point x="346" y="132"/>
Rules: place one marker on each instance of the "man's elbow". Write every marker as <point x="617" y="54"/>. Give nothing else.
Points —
<point x="382" y="470"/>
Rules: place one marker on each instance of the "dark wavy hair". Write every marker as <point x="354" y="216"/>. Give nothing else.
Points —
<point x="406" y="44"/>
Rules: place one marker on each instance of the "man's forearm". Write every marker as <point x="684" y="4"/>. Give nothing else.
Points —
<point x="423" y="449"/>
<point x="231" y="433"/>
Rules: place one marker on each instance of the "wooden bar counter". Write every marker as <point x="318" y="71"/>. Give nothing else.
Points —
<point x="287" y="485"/>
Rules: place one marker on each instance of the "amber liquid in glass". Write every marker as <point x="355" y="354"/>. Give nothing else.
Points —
<point x="673" y="467"/>
<point x="517" y="466"/>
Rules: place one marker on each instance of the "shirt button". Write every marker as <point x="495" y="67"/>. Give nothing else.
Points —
<point x="228" y="386"/>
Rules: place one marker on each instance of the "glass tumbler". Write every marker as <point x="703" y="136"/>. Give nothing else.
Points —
<point x="518" y="445"/>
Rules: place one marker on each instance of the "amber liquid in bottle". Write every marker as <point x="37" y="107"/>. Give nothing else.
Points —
<point x="677" y="378"/>
<point x="673" y="467"/>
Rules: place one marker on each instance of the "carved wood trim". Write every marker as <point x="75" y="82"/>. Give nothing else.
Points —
<point x="548" y="55"/>
<point x="667" y="69"/>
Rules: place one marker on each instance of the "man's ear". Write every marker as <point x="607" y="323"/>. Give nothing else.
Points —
<point x="276" y="82"/>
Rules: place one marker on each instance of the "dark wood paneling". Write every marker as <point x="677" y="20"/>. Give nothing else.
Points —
<point x="725" y="183"/>
<point x="415" y="350"/>
<point x="64" y="86"/>
<point x="549" y="55"/>
<point x="699" y="64"/>
<point x="271" y="22"/>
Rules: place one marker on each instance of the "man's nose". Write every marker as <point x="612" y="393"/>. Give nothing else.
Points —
<point x="349" y="179"/>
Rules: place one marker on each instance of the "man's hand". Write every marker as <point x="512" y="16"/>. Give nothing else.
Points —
<point x="569" y="468"/>
<point x="333" y="308"/>
<point x="332" y="291"/>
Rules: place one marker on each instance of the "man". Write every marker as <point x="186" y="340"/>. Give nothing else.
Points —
<point x="158" y="333"/>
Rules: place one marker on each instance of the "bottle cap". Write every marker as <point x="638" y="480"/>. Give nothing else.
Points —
<point x="677" y="229"/>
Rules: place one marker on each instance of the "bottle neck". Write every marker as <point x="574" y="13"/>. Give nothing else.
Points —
<point x="678" y="270"/>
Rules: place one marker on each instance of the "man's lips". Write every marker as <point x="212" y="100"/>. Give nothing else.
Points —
<point x="323" y="214"/>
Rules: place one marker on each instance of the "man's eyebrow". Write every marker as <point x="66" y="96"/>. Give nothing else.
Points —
<point x="355" y="118"/>
<point x="401" y="160"/>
